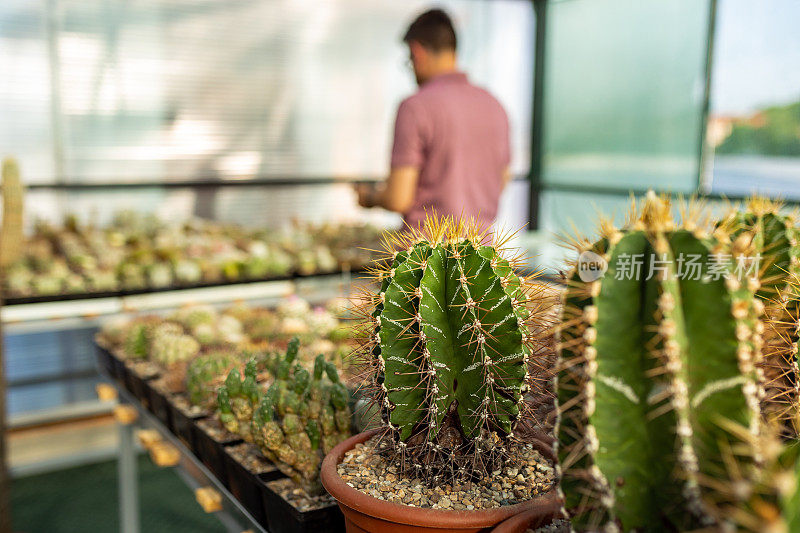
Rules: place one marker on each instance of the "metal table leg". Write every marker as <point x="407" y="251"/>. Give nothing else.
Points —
<point x="128" y="480"/>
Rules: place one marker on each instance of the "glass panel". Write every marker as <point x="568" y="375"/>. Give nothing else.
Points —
<point x="575" y="213"/>
<point x="754" y="120"/>
<point x="159" y="89"/>
<point x="25" y="89"/>
<point x="624" y="93"/>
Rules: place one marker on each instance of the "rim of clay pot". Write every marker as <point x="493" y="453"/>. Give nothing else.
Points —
<point x="524" y="521"/>
<point x="439" y="518"/>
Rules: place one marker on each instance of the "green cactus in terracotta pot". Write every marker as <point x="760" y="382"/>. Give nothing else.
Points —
<point x="658" y="383"/>
<point x="454" y="335"/>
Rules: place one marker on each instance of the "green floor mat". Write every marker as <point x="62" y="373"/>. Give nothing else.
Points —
<point x="84" y="499"/>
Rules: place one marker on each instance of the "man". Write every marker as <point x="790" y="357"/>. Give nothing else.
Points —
<point x="451" y="147"/>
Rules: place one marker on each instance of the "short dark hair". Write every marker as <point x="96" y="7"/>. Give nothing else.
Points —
<point x="433" y="30"/>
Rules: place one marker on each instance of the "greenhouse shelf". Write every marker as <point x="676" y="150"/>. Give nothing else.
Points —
<point x="91" y="309"/>
<point x="233" y="516"/>
<point x="45" y="340"/>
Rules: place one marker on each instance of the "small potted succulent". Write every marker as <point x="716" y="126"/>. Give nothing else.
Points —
<point x="453" y="336"/>
<point x="301" y="416"/>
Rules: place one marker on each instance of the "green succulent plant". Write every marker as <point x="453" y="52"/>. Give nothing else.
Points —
<point x="170" y="345"/>
<point x="657" y="384"/>
<point x="454" y="335"/>
<point x="137" y="340"/>
<point x="301" y="417"/>
<point x="237" y="400"/>
<point x="203" y="376"/>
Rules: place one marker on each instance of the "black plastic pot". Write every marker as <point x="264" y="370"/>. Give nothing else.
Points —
<point x="137" y="386"/>
<point x="107" y="362"/>
<point x="183" y="423"/>
<point x="212" y="452"/>
<point x="120" y="370"/>
<point x="160" y="406"/>
<point x="247" y="486"/>
<point x="283" y="517"/>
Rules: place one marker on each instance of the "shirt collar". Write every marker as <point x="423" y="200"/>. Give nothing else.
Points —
<point x="447" y="77"/>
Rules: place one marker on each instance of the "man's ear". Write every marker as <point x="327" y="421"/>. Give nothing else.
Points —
<point x="418" y="52"/>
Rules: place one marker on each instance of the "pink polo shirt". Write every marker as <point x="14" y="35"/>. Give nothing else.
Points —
<point x="456" y="134"/>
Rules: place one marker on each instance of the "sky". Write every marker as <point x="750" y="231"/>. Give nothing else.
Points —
<point x="756" y="55"/>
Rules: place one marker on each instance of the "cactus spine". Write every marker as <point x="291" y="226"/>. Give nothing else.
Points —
<point x="656" y="367"/>
<point x="776" y="242"/>
<point x="453" y="331"/>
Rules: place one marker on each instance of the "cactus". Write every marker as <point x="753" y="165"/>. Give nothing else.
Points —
<point x="454" y="333"/>
<point x="170" y="345"/>
<point x="11" y="237"/>
<point x="237" y="400"/>
<point x="302" y="417"/>
<point x="192" y="316"/>
<point x="187" y="271"/>
<point x="159" y="275"/>
<point x="203" y="376"/>
<point x="657" y="381"/>
<point x="776" y="242"/>
<point x="137" y="340"/>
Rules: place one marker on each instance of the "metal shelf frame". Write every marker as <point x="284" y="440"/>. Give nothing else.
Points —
<point x="194" y="473"/>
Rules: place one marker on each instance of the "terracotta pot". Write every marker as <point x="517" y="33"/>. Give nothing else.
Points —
<point x="365" y="514"/>
<point x="524" y="521"/>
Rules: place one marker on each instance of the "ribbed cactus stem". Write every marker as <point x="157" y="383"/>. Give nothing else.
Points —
<point x="775" y="240"/>
<point x="658" y="387"/>
<point x="11" y="233"/>
<point x="452" y="335"/>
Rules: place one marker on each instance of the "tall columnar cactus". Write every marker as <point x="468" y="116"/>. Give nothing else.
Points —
<point x="302" y="417"/>
<point x="776" y="242"/>
<point x="657" y="383"/>
<point x="11" y="237"/>
<point x="453" y="335"/>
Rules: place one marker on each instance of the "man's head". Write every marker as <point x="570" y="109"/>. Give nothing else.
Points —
<point x="431" y="42"/>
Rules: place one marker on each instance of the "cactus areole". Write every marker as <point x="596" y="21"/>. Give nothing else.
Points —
<point x="453" y="335"/>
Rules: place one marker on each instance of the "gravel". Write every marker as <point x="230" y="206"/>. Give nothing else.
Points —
<point x="214" y="429"/>
<point x="525" y="475"/>
<point x="298" y="498"/>
<point x="182" y="403"/>
<point x="249" y="456"/>
<point x="143" y="369"/>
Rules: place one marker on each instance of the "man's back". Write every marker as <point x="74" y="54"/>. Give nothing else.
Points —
<point x="457" y="135"/>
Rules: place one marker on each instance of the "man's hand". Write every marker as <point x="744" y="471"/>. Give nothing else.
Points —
<point x="367" y="193"/>
<point x="396" y="194"/>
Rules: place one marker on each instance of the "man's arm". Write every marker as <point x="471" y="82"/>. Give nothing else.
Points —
<point x="397" y="194"/>
<point x="506" y="177"/>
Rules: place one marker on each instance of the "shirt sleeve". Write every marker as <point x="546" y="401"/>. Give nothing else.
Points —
<point x="407" y="150"/>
